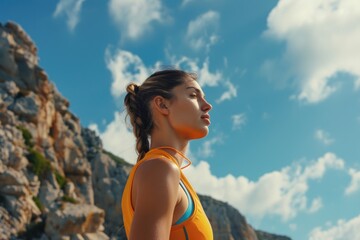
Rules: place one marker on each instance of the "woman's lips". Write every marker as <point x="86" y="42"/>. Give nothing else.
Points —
<point x="206" y="117"/>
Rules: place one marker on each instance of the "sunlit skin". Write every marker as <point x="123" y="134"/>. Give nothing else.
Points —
<point x="156" y="196"/>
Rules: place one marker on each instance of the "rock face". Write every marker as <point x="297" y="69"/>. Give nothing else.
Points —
<point x="228" y="222"/>
<point x="56" y="180"/>
<point x="44" y="169"/>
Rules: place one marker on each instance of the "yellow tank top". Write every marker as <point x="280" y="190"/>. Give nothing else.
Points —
<point x="196" y="227"/>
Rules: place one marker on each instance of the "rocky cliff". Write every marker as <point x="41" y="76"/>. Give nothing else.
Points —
<point x="56" y="180"/>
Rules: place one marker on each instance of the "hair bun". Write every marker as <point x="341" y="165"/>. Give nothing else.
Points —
<point x="133" y="88"/>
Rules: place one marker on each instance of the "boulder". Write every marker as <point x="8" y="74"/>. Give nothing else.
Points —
<point x="74" y="219"/>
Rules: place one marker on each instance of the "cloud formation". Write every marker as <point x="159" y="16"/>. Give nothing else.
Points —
<point x="323" y="137"/>
<point x="125" y="67"/>
<point x="355" y="182"/>
<point x="202" y="32"/>
<point x="342" y="230"/>
<point x="238" y="120"/>
<point x="321" y="41"/>
<point x="282" y="193"/>
<point x="315" y="205"/>
<point x="205" y="76"/>
<point x="229" y="94"/>
<point x="70" y="8"/>
<point x="207" y="148"/>
<point x="134" y="18"/>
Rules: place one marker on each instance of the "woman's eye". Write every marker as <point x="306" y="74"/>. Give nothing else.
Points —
<point x="193" y="95"/>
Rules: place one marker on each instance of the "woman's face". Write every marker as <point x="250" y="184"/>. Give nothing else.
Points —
<point x="188" y="111"/>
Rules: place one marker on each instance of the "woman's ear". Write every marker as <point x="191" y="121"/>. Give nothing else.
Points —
<point x="161" y="105"/>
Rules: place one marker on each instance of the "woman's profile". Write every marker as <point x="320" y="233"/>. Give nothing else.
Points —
<point x="158" y="203"/>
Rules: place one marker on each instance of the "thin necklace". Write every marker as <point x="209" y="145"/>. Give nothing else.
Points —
<point x="180" y="153"/>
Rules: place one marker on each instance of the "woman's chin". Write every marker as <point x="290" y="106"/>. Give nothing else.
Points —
<point x="201" y="133"/>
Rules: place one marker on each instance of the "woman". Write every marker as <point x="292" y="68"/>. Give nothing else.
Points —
<point x="158" y="201"/>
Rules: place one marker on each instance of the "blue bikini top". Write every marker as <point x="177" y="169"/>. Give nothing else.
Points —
<point x="190" y="207"/>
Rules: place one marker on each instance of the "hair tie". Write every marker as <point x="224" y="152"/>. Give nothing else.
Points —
<point x="136" y="88"/>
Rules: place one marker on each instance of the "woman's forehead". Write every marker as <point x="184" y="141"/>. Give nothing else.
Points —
<point x="192" y="84"/>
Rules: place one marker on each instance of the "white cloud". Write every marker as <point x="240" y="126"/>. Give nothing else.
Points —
<point x="229" y="94"/>
<point x="315" y="205"/>
<point x="316" y="52"/>
<point x="317" y="169"/>
<point x="201" y="32"/>
<point x="238" y="120"/>
<point x="117" y="138"/>
<point x="343" y="230"/>
<point x="281" y="193"/>
<point x="125" y="67"/>
<point x="355" y="182"/>
<point x="71" y="8"/>
<point x="205" y="76"/>
<point x="134" y="18"/>
<point x="323" y="137"/>
<point x="207" y="147"/>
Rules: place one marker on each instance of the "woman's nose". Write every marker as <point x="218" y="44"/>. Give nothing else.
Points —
<point x="207" y="106"/>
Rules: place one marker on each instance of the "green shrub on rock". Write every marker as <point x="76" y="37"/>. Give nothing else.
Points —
<point x="39" y="164"/>
<point x="38" y="203"/>
<point x="69" y="199"/>
<point x="27" y="136"/>
<point x="60" y="179"/>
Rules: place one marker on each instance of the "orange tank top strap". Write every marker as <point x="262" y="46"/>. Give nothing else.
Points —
<point x="159" y="151"/>
<point x="155" y="153"/>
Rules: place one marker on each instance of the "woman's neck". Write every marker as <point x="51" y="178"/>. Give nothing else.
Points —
<point x="167" y="140"/>
<point x="161" y="139"/>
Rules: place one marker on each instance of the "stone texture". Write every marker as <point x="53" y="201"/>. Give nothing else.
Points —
<point x="12" y="151"/>
<point x="7" y="228"/>
<point x="74" y="219"/>
<point x="228" y="223"/>
<point x="109" y="181"/>
<point x="27" y="107"/>
<point x="48" y="195"/>
<point x="29" y="99"/>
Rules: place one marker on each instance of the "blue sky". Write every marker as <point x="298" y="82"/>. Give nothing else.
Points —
<point x="283" y="78"/>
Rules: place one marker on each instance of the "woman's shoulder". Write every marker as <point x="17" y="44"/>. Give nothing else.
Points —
<point x="156" y="180"/>
<point x="159" y="166"/>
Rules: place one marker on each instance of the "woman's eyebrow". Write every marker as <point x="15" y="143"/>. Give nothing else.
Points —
<point x="197" y="90"/>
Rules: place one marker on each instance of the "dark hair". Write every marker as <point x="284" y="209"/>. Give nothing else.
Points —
<point x="138" y="98"/>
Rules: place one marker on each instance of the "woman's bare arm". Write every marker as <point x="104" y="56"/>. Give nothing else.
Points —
<point x="156" y="184"/>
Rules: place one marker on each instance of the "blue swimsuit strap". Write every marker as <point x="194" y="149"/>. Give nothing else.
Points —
<point x="190" y="207"/>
